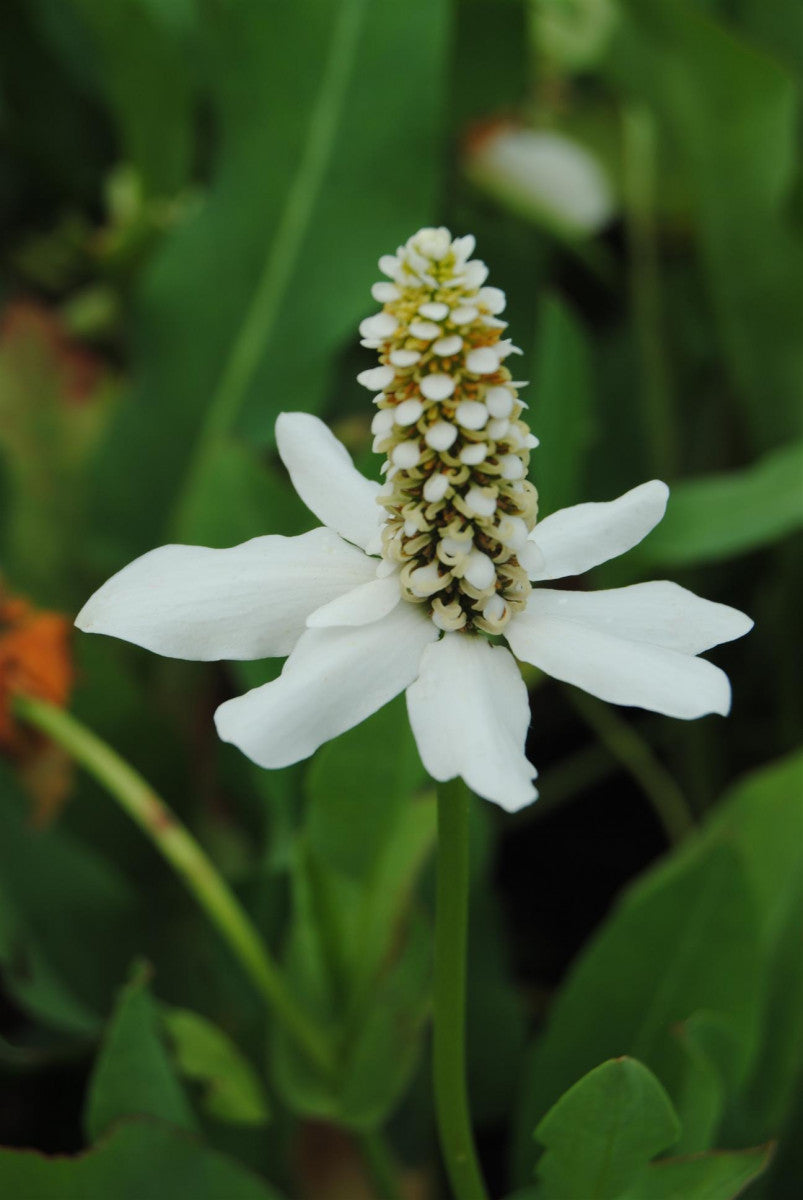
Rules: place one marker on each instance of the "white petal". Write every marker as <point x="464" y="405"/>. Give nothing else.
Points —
<point x="660" y="612"/>
<point x="446" y="346"/>
<point x="499" y="401"/>
<point x="327" y="480"/>
<point x="406" y="455"/>
<point x="404" y="358"/>
<point x="480" y="570"/>
<point x="463" y="247"/>
<point x="407" y="413"/>
<point x="369" y="602"/>
<point x="482" y="361"/>
<point x="469" y="713"/>
<point x="471" y="414"/>
<point x="376" y="378"/>
<point x="474" y="453"/>
<point x="425" y="331"/>
<point x="334" y="679"/>
<point x="249" y="601"/>
<point x="441" y="435"/>
<point x="436" y="488"/>
<point x="381" y="325"/>
<point x="576" y="539"/>
<point x="434" y="311"/>
<point x="385" y="292"/>
<point x="618" y="670"/>
<point x="492" y="298"/>
<point x="437" y="387"/>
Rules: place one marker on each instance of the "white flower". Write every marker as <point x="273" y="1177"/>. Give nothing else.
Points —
<point x="401" y="583"/>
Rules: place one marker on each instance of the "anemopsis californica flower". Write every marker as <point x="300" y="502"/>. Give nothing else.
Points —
<point x="406" y="584"/>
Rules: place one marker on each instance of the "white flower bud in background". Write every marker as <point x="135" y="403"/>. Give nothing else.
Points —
<point x="543" y="175"/>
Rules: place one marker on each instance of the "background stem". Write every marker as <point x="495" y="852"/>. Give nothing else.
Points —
<point x="636" y="756"/>
<point x="638" y="135"/>
<point x="451" y="939"/>
<point x="177" y="845"/>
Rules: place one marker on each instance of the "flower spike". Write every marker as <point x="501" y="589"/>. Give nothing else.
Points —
<point x="459" y="505"/>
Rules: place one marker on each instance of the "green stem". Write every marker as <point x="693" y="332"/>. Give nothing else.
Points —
<point x="451" y="940"/>
<point x="631" y="750"/>
<point x="285" y="247"/>
<point x="381" y="1165"/>
<point x="638" y="133"/>
<point x="189" y="861"/>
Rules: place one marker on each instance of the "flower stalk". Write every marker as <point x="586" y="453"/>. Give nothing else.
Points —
<point x="451" y="940"/>
<point x="176" y="844"/>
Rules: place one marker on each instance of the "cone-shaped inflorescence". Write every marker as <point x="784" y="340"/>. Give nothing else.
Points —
<point x="459" y="505"/>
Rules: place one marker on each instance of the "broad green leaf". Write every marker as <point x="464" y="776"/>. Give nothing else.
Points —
<point x="698" y="1082"/>
<point x="385" y="1033"/>
<point x="356" y="785"/>
<point x="763" y="817"/>
<point x="146" y="67"/>
<point x="682" y="940"/>
<point x="775" y="1084"/>
<point x="778" y="27"/>
<point x="721" y="516"/>
<point x="51" y="886"/>
<point x="133" y="1075"/>
<point x="231" y="1090"/>
<point x="250" y="299"/>
<point x="562" y="405"/>
<point x="139" y="1160"/>
<point x="730" y="111"/>
<point x="721" y="1175"/>
<point x="359" y="959"/>
<point x="241" y="497"/>
<point x="55" y="122"/>
<point x="603" y="1131"/>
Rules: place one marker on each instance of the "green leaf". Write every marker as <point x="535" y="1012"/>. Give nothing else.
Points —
<point x="249" y="301"/>
<point x="721" y="516"/>
<point x="231" y="1089"/>
<point x="562" y="413"/>
<point x="140" y="1160"/>
<point x="604" y="1130"/>
<point x="147" y="72"/>
<point x="682" y="940"/>
<point x="133" y="1075"/>
<point x="356" y="786"/>
<point x="720" y="1175"/>
<point x="51" y="886"/>
<point x="731" y="112"/>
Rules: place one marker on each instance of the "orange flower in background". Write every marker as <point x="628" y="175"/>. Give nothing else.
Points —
<point x="35" y="658"/>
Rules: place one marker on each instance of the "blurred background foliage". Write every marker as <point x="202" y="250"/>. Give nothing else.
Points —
<point x="194" y="194"/>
